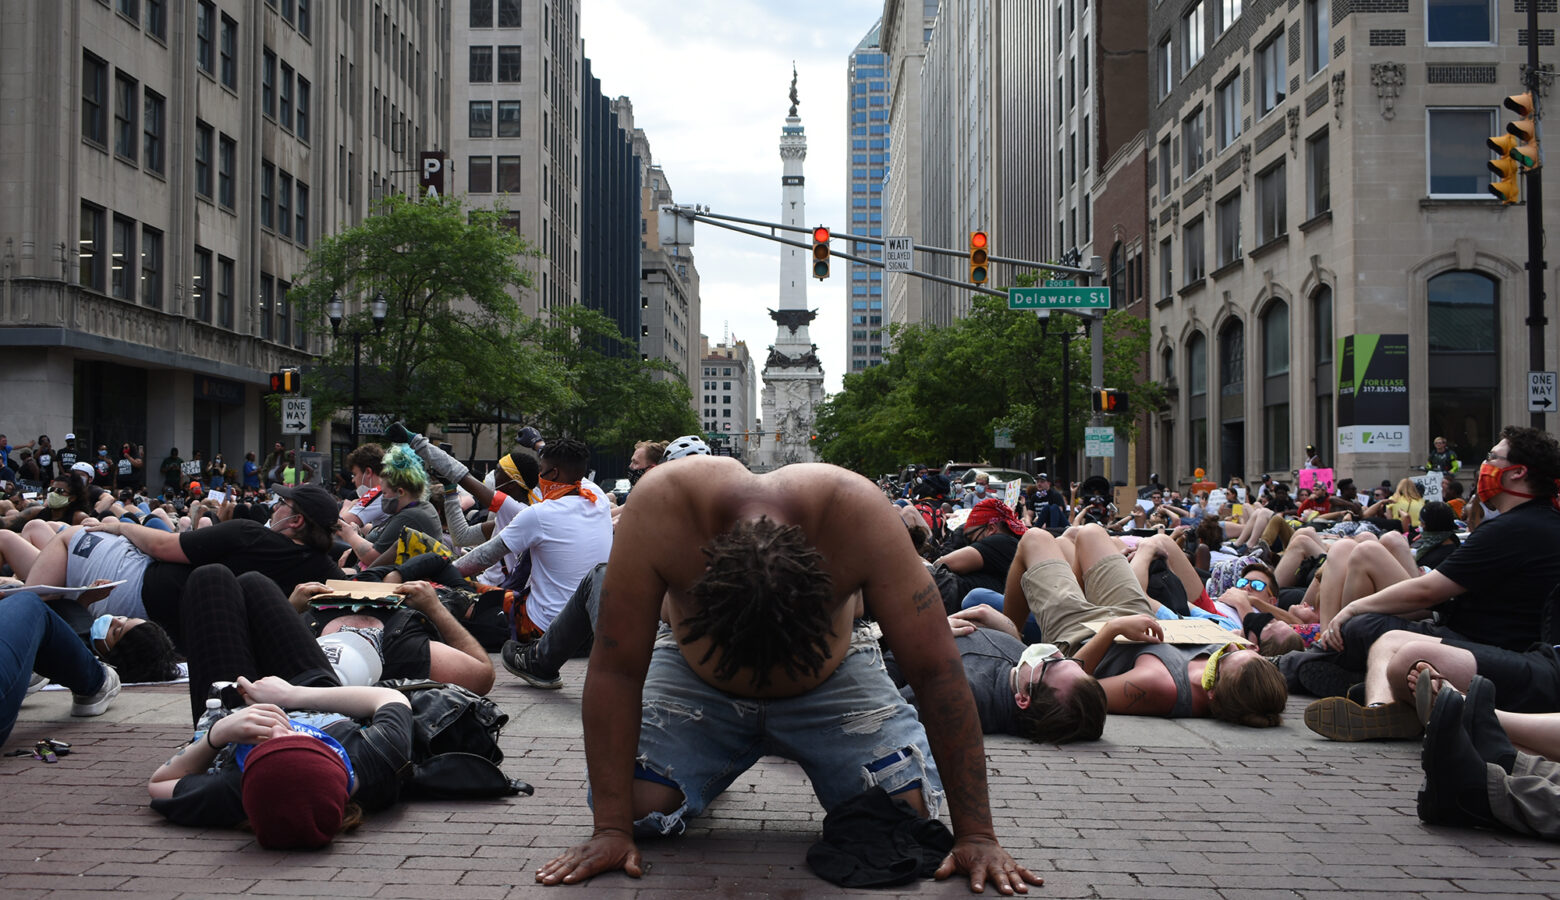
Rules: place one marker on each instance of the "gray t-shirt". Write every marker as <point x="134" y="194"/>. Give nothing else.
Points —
<point x="989" y="657"/>
<point x="93" y="556"/>
<point x="421" y="516"/>
<point x="1120" y="658"/>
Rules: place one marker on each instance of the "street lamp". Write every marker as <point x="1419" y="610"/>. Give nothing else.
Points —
<point x="335" y="310"/>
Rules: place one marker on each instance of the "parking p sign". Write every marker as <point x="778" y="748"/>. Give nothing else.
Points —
<point x="295" y="415"/>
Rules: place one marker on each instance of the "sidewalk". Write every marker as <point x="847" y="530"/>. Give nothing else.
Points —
<point x="1158" y="809"/>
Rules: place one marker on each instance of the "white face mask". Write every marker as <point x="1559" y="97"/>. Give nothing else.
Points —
<point x="362" y="491"/>
<point x="1035" y="653"/>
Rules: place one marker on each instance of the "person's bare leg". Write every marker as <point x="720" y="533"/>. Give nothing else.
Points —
<point x="38" y="533"/>
<point x="1330" y="595"/>
<point x="17" y="552"/>
<point x="1036" y="544"/>
<point x="1455" y="665"/>
<point x="1094" y="544"/>
<point x="1162" y="546"/>
<point x="1534" y="733"/>
<point x="49" y="567"/>
<point x="1371" y="568"/>
<point x="1395" y="543"/>
<point x="1300" y="548"/>
<point x="1068" y="546"/>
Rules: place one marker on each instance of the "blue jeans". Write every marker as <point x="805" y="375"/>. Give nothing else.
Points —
<point x="33" y="638"/>
<point x="850" y="733"/>
<point x="989" y="597"/>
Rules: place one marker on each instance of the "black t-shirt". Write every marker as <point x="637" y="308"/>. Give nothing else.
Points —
<point x="1508" y="567"/>
<point x="215" y="799"/>
<point x="988" y="657"/>
<point x="68" y="458"/>
<point x="242" y="545"/>
<point x="996" y="552"/>
<point x="1281" y="504"/>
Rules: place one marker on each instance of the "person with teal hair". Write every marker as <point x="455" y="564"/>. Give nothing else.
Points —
<point x="405" y="484"/>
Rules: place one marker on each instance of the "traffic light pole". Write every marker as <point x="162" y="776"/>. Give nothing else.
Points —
<point x="1536" y="320"/>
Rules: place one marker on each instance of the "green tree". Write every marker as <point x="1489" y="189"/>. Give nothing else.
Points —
<point x="453" y="345"/>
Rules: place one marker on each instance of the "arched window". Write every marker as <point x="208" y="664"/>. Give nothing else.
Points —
<point x="1275" y="386"/>
<point x="1118" y="277"/>
<point x="1197" y="400"/>
<point x="1322" y="358"/>
<point x="1232" y="399"/>
<point x="1463" y="321"/>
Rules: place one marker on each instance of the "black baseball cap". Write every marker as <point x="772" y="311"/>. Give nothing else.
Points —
<point x="312" y="502"/>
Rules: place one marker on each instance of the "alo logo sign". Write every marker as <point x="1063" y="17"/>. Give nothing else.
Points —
<point x="1383" y="437"/>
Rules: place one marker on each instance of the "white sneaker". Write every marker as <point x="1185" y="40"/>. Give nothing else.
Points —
<point x="97" y="704"/>
<point x="37" y="684"/>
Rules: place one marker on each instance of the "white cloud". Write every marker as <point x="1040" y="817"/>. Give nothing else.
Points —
<point x="709" y="82"/>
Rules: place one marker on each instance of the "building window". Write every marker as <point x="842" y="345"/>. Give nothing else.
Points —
<point x="287" y="97"/>
<point x="481" y="13"/>
<point x="1460" y="22"/>
<point x="509" y="174"/>
<point x="1193" y="263"/>
<point x="1318" y="176"/>
<point x="1464" y="359"/>
<point x="200" y="292"/>
<point x="268" y="84"/>
<point x="1229" y="110"/>
<point x="1317" y="49"/>
<point x="267" y="194"/>
<point x="1166" y="163"/>
<point x="509" y="64"/>
<point x="89" y="250"/>
<point x="303" y="109"/>
<point x="1192" y="143"/>
<point x="152" y="113"/>
<point x="284" y="189"/>
<point x="203" y="151"/>
<point x="121" y="266"/>
<point x="227" y="155"/>
<point x="1166" y="68"/>
<point x="151" y="267"/>
<point x="1322" y="328"/>
<point x="302" y="222"/>
<point x="1275" y="387"/>
<point x="224" y="292"/>
<point x="1192" y="39"/>
<point x="1270" y="74"/>
<point x="1197" y="391"/>
<point x="509" y="118"/>
<point x="303" y="17"/>
<point x="94" y="98"/>
<point x="229" y="48"/>
<point x="479" y="175"/>
<point x="1272" y="212"/>
<point x="508" y="13"/>
<point x="1227" y="11"/>
<point x="127" y="98"/>
<point x="205" y="25"/>
<point x="1227" y="219"/>
<point x="267" y="305"/>
<point x="1457" y="153"/>
<point x="156" y="19"/>
<point x="481" y="65"/>
<point x="480" y="119"/>
<point x="1166" y="269"/>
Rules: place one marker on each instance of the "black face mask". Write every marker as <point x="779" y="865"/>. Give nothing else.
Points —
<point x="634" y="475"/>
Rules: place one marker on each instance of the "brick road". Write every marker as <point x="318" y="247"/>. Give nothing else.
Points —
<point x="1158" y="809"/>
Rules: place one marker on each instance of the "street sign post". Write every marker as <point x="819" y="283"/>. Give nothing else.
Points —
<point x="1097" y="297"/>
<point x="295" y="415"/>
<point x="1541" y="392"/>
<point x="1099" y="442"/>
<point x="1002" y="438"/>
<point x="898" y="253"/>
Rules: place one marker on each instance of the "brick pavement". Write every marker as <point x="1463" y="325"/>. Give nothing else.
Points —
<point x="1158" y="809"/>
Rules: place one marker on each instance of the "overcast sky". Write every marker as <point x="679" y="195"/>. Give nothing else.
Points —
<point x="709" y="81"/>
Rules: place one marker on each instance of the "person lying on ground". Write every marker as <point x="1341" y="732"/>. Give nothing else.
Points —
<point x="720" y="554"/>
<point x="33" y="638"/>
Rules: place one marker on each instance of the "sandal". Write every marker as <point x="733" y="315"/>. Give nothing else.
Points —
<point x="1428" y="683"/>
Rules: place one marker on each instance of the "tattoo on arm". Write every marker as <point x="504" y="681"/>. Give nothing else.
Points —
<point x="1133" y="694"/>
<point x="926" y="598"/>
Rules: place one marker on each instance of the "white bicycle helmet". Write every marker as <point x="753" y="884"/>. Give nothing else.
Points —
<point x="687" y="445"/>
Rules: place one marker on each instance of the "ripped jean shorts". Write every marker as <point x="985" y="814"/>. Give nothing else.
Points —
<point x="849" y="734"/>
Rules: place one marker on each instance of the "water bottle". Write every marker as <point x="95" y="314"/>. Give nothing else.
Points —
<point x="217" y="706"/>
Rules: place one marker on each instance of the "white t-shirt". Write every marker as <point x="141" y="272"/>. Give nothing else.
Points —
<point x="567" y="537"/>
<point x="504" y="508"/>
<point x="368" y="510"/>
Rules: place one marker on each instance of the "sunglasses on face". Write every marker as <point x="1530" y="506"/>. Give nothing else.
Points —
<point x="1256" y="584"/>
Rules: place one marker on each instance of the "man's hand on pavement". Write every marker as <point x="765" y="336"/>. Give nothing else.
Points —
<point x="983" y="859"/>
<point x="604" y="852"/>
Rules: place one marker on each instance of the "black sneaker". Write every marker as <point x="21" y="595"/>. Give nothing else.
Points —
<point x="520" y="660"/>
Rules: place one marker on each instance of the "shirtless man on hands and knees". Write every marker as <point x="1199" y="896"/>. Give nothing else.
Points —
<point x="721" y="556"/>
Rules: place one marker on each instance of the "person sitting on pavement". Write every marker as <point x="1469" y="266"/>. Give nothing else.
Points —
<point x="724" y="553"/>
<point x="647" y="455"/>
<point x="1490" y="590"/>
<point x="33" y="638"/>
<point x="404" y="482"/>
<point x="365" y="463"/>
<point x="991" y="533"/>
<point x="977" y="492"/>
<point x="1403" y="506"/>
<point x="1068" y="588"/>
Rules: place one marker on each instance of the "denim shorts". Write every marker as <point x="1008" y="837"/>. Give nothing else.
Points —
<point x="850" y="733"/>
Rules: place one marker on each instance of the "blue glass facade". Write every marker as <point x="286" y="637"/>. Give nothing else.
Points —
<point x="866" y="159"/>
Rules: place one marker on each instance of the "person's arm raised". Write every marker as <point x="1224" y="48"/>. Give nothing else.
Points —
<point x="160" y="545"/>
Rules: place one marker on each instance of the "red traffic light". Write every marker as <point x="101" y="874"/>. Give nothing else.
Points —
<point x="821" y="235"/>
<point x="977" y="240"/>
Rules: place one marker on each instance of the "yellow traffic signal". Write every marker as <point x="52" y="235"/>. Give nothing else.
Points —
<point x="820" y="253"/>
<point x="1109" y="400"/>
<point x="980" y="254"/>
<point x="286" y="381"/>
<point x="1505" y="169"/>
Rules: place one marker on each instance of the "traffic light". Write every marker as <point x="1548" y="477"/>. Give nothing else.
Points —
<point x="980" y="253"/>
<point x="1108" y="400"/>
<point x="286" y="382"/>
<point x="820" y="266"/>
<point x="1517" y="149"/>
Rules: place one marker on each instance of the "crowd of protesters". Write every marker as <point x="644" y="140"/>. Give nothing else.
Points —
<point x="776" y="592"/>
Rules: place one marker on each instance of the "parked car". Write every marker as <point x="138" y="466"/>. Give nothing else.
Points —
<point x="619" y="489"/>
<point x="999" y="477"/>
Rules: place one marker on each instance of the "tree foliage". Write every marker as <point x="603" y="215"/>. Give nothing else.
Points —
<point x="454" y="345"/>
<point x="942" y="391"/>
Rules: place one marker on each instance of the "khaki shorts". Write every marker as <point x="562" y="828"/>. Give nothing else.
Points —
<point x="1061" y="609"/>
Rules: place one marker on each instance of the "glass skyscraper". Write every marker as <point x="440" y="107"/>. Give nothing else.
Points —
<point x="868" y="161"/>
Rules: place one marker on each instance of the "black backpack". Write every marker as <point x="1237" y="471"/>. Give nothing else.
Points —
<point x="455" y="752"/>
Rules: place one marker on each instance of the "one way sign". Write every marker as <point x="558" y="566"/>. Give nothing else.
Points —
<point x="1541" y="392"/>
